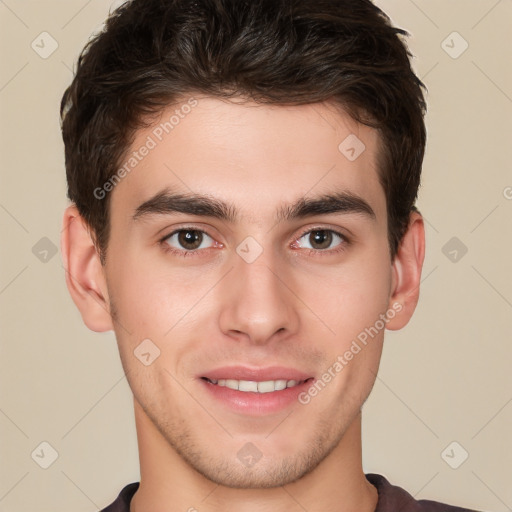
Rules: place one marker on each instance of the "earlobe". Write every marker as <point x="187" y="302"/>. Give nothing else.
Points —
<point x="84" y="273"/>
<point x="406" y="270"/>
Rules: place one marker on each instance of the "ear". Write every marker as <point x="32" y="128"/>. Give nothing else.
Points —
<point x="406" y="273"/>
<point x="85" y="278"/>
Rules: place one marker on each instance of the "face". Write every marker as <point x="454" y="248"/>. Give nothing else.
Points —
<point x="245" y="282"/>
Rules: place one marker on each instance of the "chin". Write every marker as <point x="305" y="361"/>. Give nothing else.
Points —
<point x="246" y="467"/>
<point x="264" y="474"/>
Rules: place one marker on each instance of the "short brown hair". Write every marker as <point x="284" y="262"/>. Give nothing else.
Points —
<point x="153" y="52"/>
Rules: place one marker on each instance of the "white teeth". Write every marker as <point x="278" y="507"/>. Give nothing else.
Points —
<point x="280" y="384"/>
<point x="232" y="384"/>
<point x="267" y="386"/>
<point x="247" y="385"/>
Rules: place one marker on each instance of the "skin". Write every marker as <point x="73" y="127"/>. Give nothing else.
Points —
<point x="297" y="305"/>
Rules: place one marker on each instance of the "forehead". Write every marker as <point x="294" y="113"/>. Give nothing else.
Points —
<point x="253" y="155"/>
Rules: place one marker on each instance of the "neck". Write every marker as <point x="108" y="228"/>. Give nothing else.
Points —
<point x="337" y="484"/>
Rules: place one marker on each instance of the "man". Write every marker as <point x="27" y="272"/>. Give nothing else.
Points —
<point x="243" y="177"/>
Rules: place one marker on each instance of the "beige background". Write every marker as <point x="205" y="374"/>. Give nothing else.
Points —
<point x="444" y="378"/>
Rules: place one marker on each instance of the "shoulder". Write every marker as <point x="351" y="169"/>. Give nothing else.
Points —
<point x="122" y="502"/>
<point x="392" y="498"/>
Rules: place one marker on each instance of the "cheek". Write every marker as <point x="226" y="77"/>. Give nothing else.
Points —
<point x="348" y="298"/>
<point x="353" y="311"/>
<point x="151" y="298"/>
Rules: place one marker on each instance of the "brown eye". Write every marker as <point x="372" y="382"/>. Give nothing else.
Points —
<point x="188" y="239"/>
<point x="322" y="240"/>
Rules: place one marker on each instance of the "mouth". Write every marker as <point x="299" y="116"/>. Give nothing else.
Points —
<point x="255" y="391"/>
<point x="253" y="386"/>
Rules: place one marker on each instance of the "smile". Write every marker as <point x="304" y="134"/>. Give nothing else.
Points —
<point x="252" y="386"/>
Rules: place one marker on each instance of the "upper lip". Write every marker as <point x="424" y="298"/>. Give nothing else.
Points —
<point x="256" y="374"/>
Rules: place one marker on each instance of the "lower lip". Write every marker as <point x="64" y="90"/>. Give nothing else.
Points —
<point x="256" y="404"/>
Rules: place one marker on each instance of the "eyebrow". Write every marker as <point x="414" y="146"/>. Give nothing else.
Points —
<point x="167" y="203"/>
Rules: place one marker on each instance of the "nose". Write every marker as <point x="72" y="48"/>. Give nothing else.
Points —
<point x="257" y="301"/>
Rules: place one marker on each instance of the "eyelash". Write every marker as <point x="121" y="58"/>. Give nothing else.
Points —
<point x="196" y="252"/>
